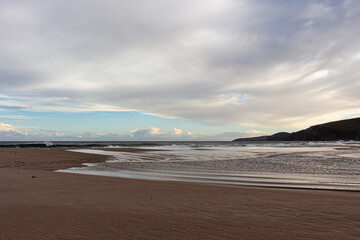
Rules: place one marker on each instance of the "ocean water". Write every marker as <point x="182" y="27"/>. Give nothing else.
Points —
<point x="165" y="144"/>
<point x="302" y="165"/>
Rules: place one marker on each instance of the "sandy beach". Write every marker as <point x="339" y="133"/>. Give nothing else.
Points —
<point x="37" y="203"/>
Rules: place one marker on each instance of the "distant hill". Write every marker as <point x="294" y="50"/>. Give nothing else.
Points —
<point x="340" y="130"/>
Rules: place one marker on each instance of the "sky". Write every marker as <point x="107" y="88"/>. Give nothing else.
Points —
<point x="175" y="70"/>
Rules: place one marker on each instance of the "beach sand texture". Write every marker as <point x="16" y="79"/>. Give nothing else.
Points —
<point x="36" y="203"/>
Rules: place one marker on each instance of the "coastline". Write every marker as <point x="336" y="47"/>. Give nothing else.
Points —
<point x="37" y="203"/>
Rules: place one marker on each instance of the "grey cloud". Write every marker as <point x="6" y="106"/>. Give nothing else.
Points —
<point x="11" y="107"/>
<point x="186" y="60"/>
<point x="16" y="78"/>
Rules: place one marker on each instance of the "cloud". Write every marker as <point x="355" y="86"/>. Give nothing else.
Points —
<point x="145" y="133"/>
<point x="252" y="63"/>
<point x="155" y="133"/>
<point x="177" y="131"/>
<point x="11" y="107"/>
<point x="10" y="132"/>
<point x="4" y="127"/>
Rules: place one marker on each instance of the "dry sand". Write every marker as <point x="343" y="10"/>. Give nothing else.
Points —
<point x="36" y="203"/>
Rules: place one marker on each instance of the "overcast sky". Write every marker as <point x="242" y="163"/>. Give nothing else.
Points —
<point x="177" y="70"/>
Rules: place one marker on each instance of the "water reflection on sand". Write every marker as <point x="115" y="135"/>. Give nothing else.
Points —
<point x="318" y="167"/>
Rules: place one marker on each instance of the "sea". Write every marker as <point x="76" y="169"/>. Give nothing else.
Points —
<point x="295" y="165"/>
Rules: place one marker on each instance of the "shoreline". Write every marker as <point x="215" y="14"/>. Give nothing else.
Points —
<point x="37" y="203"/>
<point x="64" y="158"/>
<point x="207" y="176"/>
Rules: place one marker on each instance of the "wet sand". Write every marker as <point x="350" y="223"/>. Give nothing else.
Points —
<point x="36" y="203"/>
